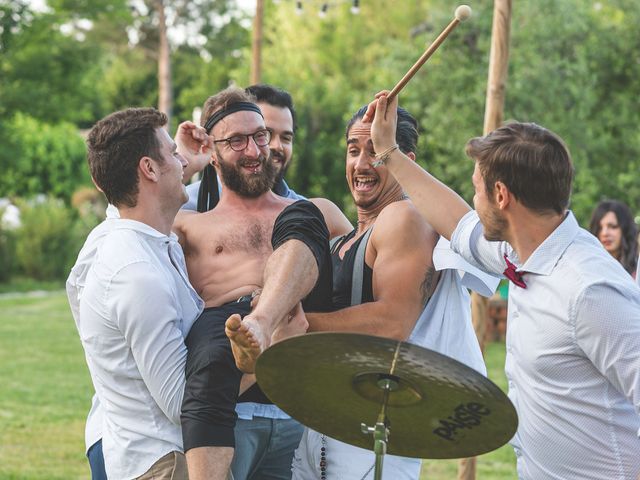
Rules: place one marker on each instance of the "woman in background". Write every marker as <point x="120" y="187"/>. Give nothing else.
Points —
<point x="613" y="224"/>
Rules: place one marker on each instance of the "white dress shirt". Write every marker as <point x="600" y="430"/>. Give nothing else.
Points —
<point x="443" y="326"/>
<point x="135" y="309"/>
<point x="573" y="354"/>
<point x="75" y="286"/>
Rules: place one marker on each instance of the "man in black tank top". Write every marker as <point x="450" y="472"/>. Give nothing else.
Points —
<point x="390" y="252"/>
<point x="397" y="273"/>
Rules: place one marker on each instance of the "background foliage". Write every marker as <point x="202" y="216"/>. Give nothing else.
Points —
<point x="574" y="68"/>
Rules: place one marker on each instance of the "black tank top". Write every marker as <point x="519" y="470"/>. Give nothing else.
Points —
<point x="343" y="274"/>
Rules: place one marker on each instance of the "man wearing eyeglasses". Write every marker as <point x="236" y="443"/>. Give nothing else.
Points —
<point x="253" y="239"/>
<point x="280" y="119"/>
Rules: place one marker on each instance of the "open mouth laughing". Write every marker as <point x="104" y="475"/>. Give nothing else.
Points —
<point x="364" y="183"/>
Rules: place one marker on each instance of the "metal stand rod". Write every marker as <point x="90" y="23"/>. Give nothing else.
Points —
<point x="380" y="436"/>
<point x="380" y="431"/>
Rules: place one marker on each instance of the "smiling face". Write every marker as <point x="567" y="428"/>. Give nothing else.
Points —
<point x="247" y="172"/>
<point x="279" y="122"/>
<point x="367" y="184"/>
<point x="610" y="234"/>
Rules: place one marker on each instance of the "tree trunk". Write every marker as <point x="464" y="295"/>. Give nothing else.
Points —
<point x="494" y="108"/>
<point x="165" y="100"/>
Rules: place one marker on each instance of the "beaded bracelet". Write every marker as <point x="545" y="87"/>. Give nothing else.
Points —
<point x="381" y="158"/>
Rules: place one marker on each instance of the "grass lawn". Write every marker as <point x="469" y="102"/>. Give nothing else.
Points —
<point x="45" y="393"/>
<point x="45" y="390"/>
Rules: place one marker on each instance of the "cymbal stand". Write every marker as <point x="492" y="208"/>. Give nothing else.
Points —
<point x="380" y="430"/>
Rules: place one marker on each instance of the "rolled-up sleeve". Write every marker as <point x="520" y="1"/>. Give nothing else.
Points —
<point x="468" y="241"/>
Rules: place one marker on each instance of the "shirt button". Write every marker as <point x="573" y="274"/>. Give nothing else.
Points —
<point x="516" y="314"/>
<point x="511" y="385"/>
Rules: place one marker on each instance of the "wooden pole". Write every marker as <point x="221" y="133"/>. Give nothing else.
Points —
<point x="498" y="65"/>
<point x="494" y="108"/>
<point x="256" y="44"/>
<point x="165" y="98"/>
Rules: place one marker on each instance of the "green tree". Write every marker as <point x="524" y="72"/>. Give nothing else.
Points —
<point x="574" y="68"/>
<point x="41" y="158"/>
<point x="43" y="72"/>
<point x="48" y="239"/>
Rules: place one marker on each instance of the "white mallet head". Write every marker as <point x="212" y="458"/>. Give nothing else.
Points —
<point x="462" y="13"/>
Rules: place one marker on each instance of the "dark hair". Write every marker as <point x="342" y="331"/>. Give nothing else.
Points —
<point x="629" y="242"/>
<point x="406" y="131"/>
<point x="273" y="96"/>
<point x="115" y="146"/>
<point x="533" y="162"/>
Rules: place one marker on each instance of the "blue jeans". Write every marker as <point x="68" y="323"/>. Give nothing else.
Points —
<point x="96" y="461"/>
<point x="264" y="448"/>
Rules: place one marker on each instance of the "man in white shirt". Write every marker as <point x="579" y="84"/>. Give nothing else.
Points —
<point x="134" y="305"/>
<point x="573" y="336"/>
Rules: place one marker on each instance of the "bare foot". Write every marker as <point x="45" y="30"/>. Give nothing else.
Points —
<point x="246" y="341"/>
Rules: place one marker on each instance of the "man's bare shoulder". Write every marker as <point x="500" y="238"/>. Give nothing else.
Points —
<point x="285" y="201"/>
<point x="400" y="213"/>
<point x="402" y="220"/>
<point x="180" y="221"/>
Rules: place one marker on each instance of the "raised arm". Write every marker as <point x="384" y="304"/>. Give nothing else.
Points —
<point x="195" y="145"/>
<point x="441" y="207"/>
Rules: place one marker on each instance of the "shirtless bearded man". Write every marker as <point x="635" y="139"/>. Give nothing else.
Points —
<point x="252" y="239"/>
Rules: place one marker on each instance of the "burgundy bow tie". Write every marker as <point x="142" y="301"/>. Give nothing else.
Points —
<point x="511" y="273"/>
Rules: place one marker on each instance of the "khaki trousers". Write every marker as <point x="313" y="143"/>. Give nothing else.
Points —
<point x="173" y="466"/>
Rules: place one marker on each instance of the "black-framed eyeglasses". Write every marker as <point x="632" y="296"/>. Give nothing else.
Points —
<point x="238" y="143"/>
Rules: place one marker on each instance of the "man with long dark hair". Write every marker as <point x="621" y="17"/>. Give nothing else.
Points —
<point x="393" y="278"/>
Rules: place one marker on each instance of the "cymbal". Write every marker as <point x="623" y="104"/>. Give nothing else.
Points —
<point x="437" y="406"/>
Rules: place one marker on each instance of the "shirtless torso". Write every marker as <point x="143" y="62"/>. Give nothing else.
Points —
<point x="227" y="248"/>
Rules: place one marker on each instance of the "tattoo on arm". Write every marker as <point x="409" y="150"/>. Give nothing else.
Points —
<point x="428" y="284"/>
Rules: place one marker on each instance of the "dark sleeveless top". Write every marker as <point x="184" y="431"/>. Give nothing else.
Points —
<point x="343" y="274"/>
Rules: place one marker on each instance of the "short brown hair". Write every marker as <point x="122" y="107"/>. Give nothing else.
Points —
<point x="533" y="162"/>
<point x="115" y="146"/>
<point x="223" y="99"/>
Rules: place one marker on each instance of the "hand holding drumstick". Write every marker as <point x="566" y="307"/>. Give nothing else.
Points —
<point x="383" y="121"/>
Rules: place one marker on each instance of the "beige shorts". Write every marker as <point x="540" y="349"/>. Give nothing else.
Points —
<point x="173" y="466"/>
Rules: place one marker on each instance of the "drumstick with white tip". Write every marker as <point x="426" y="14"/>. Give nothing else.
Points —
<point x="461" y="14"/>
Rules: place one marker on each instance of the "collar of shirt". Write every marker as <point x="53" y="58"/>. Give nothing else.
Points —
<point x="544" y="258"/>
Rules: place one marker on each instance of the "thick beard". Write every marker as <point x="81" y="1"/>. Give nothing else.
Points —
<point x="252" y="185"/>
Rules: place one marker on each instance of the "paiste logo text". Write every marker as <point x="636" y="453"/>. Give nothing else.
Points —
<point x="467" y="416"/>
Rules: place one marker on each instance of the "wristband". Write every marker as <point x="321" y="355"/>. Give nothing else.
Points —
<point x="381" y="158"/>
